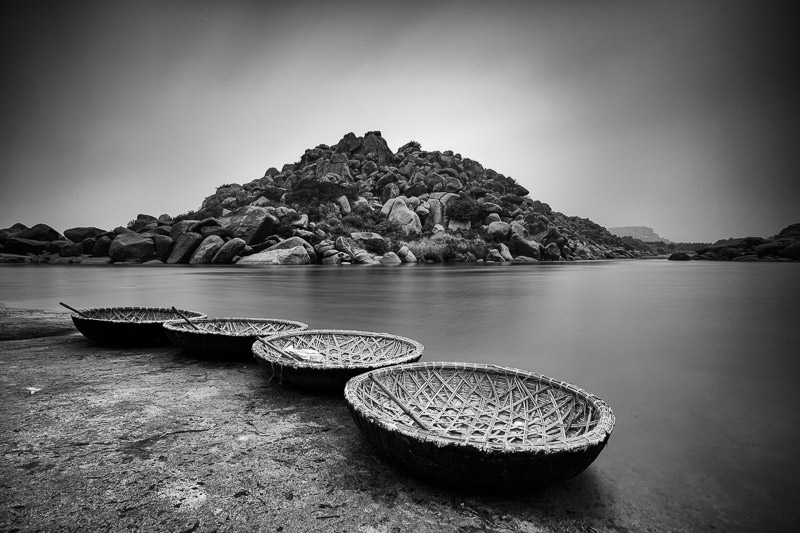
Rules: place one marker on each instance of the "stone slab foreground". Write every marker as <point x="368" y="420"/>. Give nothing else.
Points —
<point x="95" y="438"/>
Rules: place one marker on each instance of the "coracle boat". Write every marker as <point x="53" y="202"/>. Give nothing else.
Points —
<point x="127" y="325"/>
<point x="324" y="359"/>
<point x="479" y="427"/>
<point x="228" y="337"/>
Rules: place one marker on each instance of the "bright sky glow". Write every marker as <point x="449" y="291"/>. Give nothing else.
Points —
<point x="681" y="116"/>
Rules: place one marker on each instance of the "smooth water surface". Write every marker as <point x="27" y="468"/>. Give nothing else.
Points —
<point x="699" y="361"/>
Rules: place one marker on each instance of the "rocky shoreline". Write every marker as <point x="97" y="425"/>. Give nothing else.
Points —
<point x="356" y="202"/>
<point x="783" y="247"/>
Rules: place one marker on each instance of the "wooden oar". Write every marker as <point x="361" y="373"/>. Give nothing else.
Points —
<point x="84" y="315"/>
<point x="397" y="400"/>
<point x="280" y="351"/>
<point x="186" y="318"/>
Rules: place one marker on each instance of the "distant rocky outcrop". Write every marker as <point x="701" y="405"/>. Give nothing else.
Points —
<point x="785" y="246"/>
<point x="356" y="201"/>
<point x="643" y="233"/>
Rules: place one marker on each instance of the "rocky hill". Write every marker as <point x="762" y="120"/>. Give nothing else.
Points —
<point x="643" y="233"/>
<point x="356" y="201"/>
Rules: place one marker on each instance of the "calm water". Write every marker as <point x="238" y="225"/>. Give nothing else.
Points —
<point x="699" y="361"/>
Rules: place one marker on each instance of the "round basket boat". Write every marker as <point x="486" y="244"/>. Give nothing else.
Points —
<point x="479" y="427"/>
<point x="127" y="325"/>
<point x="324" y="359"/>
<point x="229" y="337"/>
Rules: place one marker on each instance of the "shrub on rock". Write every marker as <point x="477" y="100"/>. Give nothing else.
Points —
<point x="371" y="241"/>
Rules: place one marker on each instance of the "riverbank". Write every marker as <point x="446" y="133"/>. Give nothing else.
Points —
<point x="97" y="438"/>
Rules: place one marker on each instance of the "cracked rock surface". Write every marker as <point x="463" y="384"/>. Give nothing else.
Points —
<point x="115" y="439"/>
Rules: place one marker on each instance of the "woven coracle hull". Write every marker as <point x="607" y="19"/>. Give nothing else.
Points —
<point x="327" y="380"/>
<point x="487" y="428"/>
<point x="226" y="337"/>
<point x="343" y="354"/>
<point x="127" y="325"/>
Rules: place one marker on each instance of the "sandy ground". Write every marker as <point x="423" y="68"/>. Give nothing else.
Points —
<point x="109" y="439"/>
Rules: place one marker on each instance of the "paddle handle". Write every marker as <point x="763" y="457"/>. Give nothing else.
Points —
<point x="277" y="349"/>
<point x="74" y="310"/>
<point x="397" y="400"/>
<point x="186" y="318"/>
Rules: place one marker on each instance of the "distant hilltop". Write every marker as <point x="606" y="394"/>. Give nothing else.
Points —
<point x="356" y="201"/>
<point x="643" y="233"/>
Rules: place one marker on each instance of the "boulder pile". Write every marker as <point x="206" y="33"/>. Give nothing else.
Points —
<point x="353" y="202"/>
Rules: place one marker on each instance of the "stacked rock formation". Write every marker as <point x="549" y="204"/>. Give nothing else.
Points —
<point x="353" y="202"/>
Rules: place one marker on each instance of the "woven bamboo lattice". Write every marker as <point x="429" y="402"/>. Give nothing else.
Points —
<point x="479" y="425"/>
<point x="236" y="327"/>
<point x="327" y="358"/>
<point x="225" y="336"/>
<point x="485" y="405"/>
<point x="135" y="315"/>
<point x="127" y="325"/>
<point x="342" y="348"/>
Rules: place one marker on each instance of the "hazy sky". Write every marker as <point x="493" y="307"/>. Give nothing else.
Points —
<point x="678" y="115"/>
